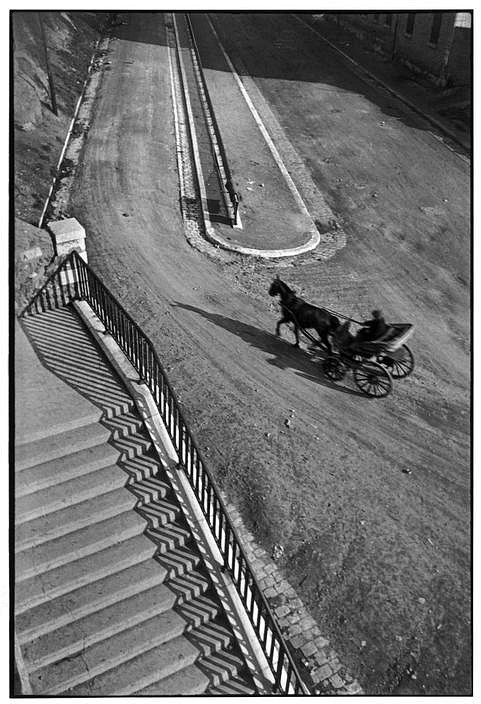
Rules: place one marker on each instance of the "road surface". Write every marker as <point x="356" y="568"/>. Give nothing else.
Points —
<point x="381" y="557"/>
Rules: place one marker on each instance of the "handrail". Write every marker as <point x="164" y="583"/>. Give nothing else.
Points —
<point x="77" y="280"/>
<point x="59" y="284"/>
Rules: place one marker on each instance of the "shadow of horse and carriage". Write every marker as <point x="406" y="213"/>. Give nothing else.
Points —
<point x="326" y="360"/>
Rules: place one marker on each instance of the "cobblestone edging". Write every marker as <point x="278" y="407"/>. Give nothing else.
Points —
<point x="328" y="236"/>
<point x="189" y="196"/>
<point x="319" y="664"/>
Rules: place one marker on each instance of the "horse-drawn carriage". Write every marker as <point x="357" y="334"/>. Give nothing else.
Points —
<point x="374" y="363"/>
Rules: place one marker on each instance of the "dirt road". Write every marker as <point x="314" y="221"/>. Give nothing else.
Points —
<point x="380" y="557"/>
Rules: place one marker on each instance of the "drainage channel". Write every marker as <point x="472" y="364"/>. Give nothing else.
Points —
<point x="214" y="204"/>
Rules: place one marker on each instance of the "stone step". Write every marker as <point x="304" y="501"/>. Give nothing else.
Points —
<point x="69" y="493"/>
<point x="63" y="469"/>
<point x="194" y="581"/>
<point x="169" y="536"/>
<point x="150" y="489"/>
<point x="159" y="513"/>
<point x="48" y="474"/>
<point x="136" y="444"/>
<point x="143" y="466"/>
<point x="68" y="350"/>
<point x="162" y="661"/>
<point x="124" y="425"/>
<point x="81" y="602"/>
<point x="61" y="677"/>
<point x="190" y="681"/>
<point x="48" y="586"/>
<point x="235" y="687"/>
<point x="76" y="545"/>
<point x="72" y="638"/>
<point x="31" y="435"/>
<point x="67" y="520"/>
<point x="222" y="666"/>
<point x="60" y="445"/>
<point x="178" y="560"/>
<point x="196" y="679"/>
<point x="69" y="640"/>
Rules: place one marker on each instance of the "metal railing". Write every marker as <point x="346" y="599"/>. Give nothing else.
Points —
<point x="74" y="280"/>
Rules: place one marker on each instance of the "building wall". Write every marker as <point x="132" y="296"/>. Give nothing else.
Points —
<point x="371" y="27"/>
<point x="417" y="47"/>
<point x="459" y="65"/>
<point x="448" y="58"/>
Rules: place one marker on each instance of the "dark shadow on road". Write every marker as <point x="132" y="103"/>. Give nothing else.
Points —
<point x="285" y="356"/>
<point x="285" y="50"/>
<point x="288" y="50"/>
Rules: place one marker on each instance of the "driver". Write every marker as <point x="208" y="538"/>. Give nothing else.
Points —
<point x="374" y="328"/>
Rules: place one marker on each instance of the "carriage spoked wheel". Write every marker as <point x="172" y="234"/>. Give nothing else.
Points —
<point x="402" y="365"/>
<point x="334" y="368"/>
<point x="373" y="379"/>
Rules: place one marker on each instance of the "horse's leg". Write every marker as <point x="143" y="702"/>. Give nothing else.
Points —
<point x="278" y="326"/>
<point x="296" y="332"/>
<point x="325" y="340"/>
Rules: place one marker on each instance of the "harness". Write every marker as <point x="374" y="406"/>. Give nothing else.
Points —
<point x="331" y="312"/>
<point x="303" y="330"/>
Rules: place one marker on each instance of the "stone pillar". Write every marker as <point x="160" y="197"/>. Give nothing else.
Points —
<point x="68" y="235"/>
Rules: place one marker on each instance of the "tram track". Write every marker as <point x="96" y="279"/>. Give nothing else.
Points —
<point x="206" y="172"/>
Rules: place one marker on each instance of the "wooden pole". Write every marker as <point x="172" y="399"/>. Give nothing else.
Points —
<point x="51" y="85"/>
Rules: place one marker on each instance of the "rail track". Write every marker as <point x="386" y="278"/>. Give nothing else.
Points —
<point x="203" y="167"/>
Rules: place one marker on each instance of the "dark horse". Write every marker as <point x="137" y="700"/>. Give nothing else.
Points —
<point x="302" y="314"/>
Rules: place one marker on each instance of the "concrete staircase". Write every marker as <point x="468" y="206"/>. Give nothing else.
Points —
<point x="111" y="595"/>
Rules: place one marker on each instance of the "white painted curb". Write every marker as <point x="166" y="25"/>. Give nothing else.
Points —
<point x="268" y="253"/>
<point x="210" y="232"/>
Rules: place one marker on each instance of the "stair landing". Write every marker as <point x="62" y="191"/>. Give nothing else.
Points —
<point x="111" y="594"/>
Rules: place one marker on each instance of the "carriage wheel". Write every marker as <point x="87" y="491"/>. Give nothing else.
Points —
<point x="334" y="369"/>
<point x="373" y="379"/>
<point x="399" y="368"/>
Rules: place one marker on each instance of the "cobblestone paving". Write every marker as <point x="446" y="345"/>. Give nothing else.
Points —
<point x="319" y="664"/>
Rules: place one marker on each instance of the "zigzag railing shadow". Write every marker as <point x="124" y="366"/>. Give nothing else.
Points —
<point x="74" y="280"/>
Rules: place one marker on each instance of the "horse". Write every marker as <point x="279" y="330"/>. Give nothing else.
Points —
<point x="302" y="314"/>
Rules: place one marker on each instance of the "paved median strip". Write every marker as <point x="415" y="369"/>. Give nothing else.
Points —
<point x="214" y="235"/>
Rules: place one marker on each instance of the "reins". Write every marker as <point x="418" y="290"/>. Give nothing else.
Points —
<point x="344" y="317"/>
<point x="331" y="312"/>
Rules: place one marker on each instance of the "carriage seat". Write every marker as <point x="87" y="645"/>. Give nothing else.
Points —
<point x="390" y="333"/>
